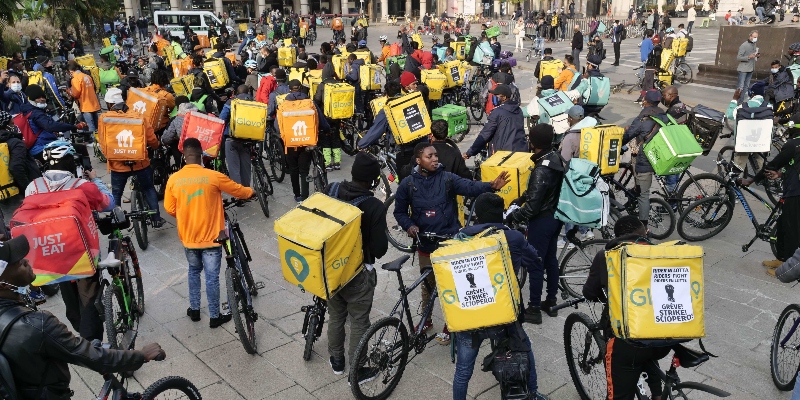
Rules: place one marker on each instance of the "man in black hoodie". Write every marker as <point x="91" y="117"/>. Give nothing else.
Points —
<point x="355" y="299"/>
<point x="21" y="167"/>
<point x="449" y="155"/>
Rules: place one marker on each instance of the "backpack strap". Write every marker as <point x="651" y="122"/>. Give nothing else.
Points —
<point x="41" y="186"/>
<point x="8" y="317"/>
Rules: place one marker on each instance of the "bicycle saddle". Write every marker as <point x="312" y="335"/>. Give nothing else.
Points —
<point x="110" y="262"/>
<point x="222" y="237"/>
<point x="689" y="357"/>
<point x="396" y="264"/>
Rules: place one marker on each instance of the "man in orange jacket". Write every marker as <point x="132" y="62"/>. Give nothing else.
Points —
<point x="82" y="89"/>
<point x="194" y="197"/>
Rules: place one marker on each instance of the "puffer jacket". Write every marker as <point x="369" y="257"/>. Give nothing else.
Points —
<point x="544" y="186"/>
<point x="782" y="84"/>
<point x="39" y="348"/>
<point x="504" y="130"/>
<point x="640" y="129"/>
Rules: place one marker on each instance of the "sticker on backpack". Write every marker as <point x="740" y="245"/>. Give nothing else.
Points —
<point x="140" y="107"/>
<point x="300" y="128"/>
<point x="471" y="276"/>
<point x="671" y="290"/>
<point x="125" y="138"/>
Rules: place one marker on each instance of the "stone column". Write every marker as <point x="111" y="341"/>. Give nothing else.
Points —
<point x="496" y="8"/>
<point x="345" y="6"/>
<point x="460" y="5"/>
<point x="335" y="7"/>
<point x="175" y="5"/>
<point x="262" y="6"/>
<point x="384" y="9"/>
<point x="408" y="11"/>
<point x="128" y="8"/>
<point x="423" y="8"/>
<point x="217" y="6"/>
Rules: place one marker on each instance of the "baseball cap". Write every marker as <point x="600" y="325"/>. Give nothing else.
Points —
<point x="362" y="43"/>
<point x="575" y="112"/>
<point x="594" y="59"/>
<point x="653" y="96"/>
<point x="294" y="83"/>
<point x="502" y="90"/>
<point x="13" y="251"/>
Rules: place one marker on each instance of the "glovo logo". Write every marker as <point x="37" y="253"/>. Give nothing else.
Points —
<point x="297" y="264"/>
<point x="4" y="158"/>
<point x="339" y="262"/>
<point x="587" y="144"/>
<point x="507" y="189"/>
<point x="449" y="296"/>
<point x="241" y="121"/>
<point x="499" y="279"/>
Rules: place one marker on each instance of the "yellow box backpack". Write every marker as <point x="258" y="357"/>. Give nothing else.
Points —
<point x="94" y="72"/>
<point x="679" y="46"/>
<point x="656" y="292"/>
<point x="666" y="59"/>
<point x="364" y="55"/>
<point x="298" y="123"/>
<point x="436" y="82"/>
<point x="517" y="164"/>
<point x="376" y="105"/>
<point x="248" y="119"/>
<point x="106" y="42"/>
<point x="601" y="145"/>
<point x="339" y="100"/>
<point x="417" y="38"/>
<point x="319" y="245"/>
<point x="476" y="282"/>
<point x="408" y="118"/>
<point x="217" y="73"/>
<point x="297" y="73"/>
<point x="550" y="68"/>
<point x="338" y="64"/>
<point x="312" y="79"/>
<point x="453" y="71"/>
<point x="86" y="61"/>
<point x="7" y="186"/>
<point x="182" y="86"/>
<point x="287" y="56"/>
<point x="369" y="77"/>
<point x="459" y="50"/>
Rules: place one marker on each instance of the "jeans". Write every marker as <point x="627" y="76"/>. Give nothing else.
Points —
<point x="672" y="181"/>
<point x="576" y="55"/>
<point x="545" y="241"/>
<point x="210" y="261"/>
<point x="689" y="27"/>
<point x="644" y="180"/>
<point x="355" y="301"/>
<point x="760" y="12"/>
<point x="540" y="45"/>
<point x="744" y="84"/>
<point x="91" y="119"/>
<point x="465" y="362"/>
<point x="145" y="177"/>
<point x="237" y="157"/>
<point x="641" y="70"/>
<point x="796" y="391"/>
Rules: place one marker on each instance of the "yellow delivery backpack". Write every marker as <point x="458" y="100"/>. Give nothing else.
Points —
<point x="217" y="73"/>
<point x="601" y="145"/>
<point x="86" y="61"/>
<point x="338" y="64"/>
<point x="369" y="77"/>
<point x="319" y="245"/>
<point x="436" y="82"/>
<point x="297" y="73"/>
<point x="287" y="56"/>
<point x="298" y="123"/>
<point x="459" y="50"/>
<point x="454" y="73"/>
<point x="248" y="120"/>
<point x="656" y="292"/>
<point x="94" y="72"/>
<point x="312" y="80"/>
<point x="7" y="186"/>
<point x="376" y="105"/>
<point x="182" y="86"/>
<point x="408" y="118"/>
<point x="364" y="55"/>
<point x="476" y="281"/>
<point x="518" y="165"/>
<point x="339" y="100"/>
<point x="679" y="46"/>
<point x="666" y="59"/>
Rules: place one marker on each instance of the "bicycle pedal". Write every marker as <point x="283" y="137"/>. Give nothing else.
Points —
<point x="259" y="285"/>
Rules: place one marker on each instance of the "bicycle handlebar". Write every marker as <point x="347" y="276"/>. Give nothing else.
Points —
<point x="569" y="303"/>
<point x="233" y="202"/>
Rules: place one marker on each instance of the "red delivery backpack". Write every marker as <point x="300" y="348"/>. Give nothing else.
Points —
<point x="61" y="232"/>
<point x="23" y="123"/>
<point x="208" y="129"/>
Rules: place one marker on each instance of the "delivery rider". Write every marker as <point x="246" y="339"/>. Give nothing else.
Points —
<point x="237" y="152"/>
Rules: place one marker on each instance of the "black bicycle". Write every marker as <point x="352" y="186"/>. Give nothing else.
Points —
<point x="784" y="357"/>
<point x="163" y="167"/>
<point x="262" y="182"/>
<point x="313" y="322"/>
<point x="319" y="175"/>
<point x="274" y="153"/>
<point x="139" y="208"/>
<point x="661" y="219"/>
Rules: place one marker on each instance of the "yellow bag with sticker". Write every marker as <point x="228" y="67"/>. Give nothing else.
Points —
<point x="86" y="61"/>
<point x="182" y="86"/>
<point x="601" y="145"/>
<point x="459" y="50"/>
<point x="339" y="102"/>
<point x="217" y="73"/>
<point x="517" y="164"/>
<point x="408" y="118"/>
<point x="453" y="72"/>
<point x="476" y="281"/>
<point x="369" y="77"/>
<point x="376" y="105"/>
<point x="319" y="245"/>
<point x="436" y="82"/>
<point x="7" y="186"/>
<point x="248" y="119"/>
<point x="338" y="64"/>
<point x="656" y="292"/>
<point x="666" y="59"/>
<point x="287" y="56"/>
<point x="4" y="63"/>
<point x="417" y="38"/>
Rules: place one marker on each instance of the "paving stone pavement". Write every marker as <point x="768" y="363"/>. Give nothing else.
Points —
<point x="742" y="303"/>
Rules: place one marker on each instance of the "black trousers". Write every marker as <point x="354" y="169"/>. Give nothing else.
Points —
<point x="298" y="162"/>
<point x="79" y="297"/>
<point x="616" y="52"/>
<point x="624" y="365"/>
<point x="788" y="230"/>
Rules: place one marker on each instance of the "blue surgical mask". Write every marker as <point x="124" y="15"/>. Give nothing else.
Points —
<point x="41" y="105"/>
<point x="774" y="70"/>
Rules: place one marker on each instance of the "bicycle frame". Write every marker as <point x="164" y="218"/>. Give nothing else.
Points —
<point x="403" y="306"/>
<point x="760" y="228"/>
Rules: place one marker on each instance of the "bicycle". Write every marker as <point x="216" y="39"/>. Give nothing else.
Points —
<point x="585" y="348"/>
<point x="262" y="183"/>
<point x="575" y="261"/>
<point x="349" y="133"/>
<point x="122" y="301"/>
<point x="755" y="161"/>
<point x="313" y="322"/>
<point x="681" y="71"/>
<point x="318" y="175"/>
<point x="783" y="356"/>
<point x="711" y="215"/>
<point x="661" y="217"/>
<point x="239" y="281"/>
<point x="163" y="168"/>
<point x="139" y="207"/>
<point x="311" y="36"/>
<point x="274" y="152"/>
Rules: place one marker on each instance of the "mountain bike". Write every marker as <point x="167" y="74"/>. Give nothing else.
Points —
<point x="163" y="167"/>
<point x="585" y="348"/>
<point x="238" y="278"/>
<point x="122" y="301"/>
<point x="349" y="133"/>
<point x="313" y="321"/>
<point x="707" y="217"/>
<point x="311" y="36"/>
<point x="681" y="71"/>
<point x="756" y="161"/>
<point x="784" y="354"/>
<point x="275" y="153"/>
<point x="262" y="182"/>
<point x="661" y="220"/>
<point x="140" y="209"/>
<point x="480" y="79"/>
<point x="318" y="174"/>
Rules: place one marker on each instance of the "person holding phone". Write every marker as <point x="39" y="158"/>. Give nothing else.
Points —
<point x="747" y="56"/>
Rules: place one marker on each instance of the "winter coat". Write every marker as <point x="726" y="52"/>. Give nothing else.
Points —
<point x="452" y="160"/>
<point x="43" y="126"/>
<point x="544" y="187"/>
<point x="504" y="130"/>
<point x="640" y="129"/>
<point x="782" y="84"/>
<point x="21" y="164"/>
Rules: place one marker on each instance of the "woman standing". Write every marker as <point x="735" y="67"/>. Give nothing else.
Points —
<point x="519" y="31"/>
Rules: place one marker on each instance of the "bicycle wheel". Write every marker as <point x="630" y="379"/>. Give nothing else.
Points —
<point x="397" y="236"/>
<point x="586" y="351"/>
<point x="784" y="356"/>
<point x="773" y="241"/>
<point x="139" y="223"/>
<point x="98" y="153"/>
<point x="311" y="336"/>
<point x="475" y="106"/>
<point x="574" y="268"/>
<point x="238" y="302"/>
<point x="119" y="323"/>
<point x="319" y="174"/>
<point x="683" y="73"/>
<point x="700" y="186"/>
<point x="705" y="218"/>
<point x="277" y="159"/>
<point x="159" y="177"/>
<point x="171" y="387"/>
<point x="349" y="137"/>
<point x="238" y="243"/>
<point x="258" y="186"/>
<point x="381" y="358"/>
<point x="135" y="277"/>
<point x="661" y="220"/>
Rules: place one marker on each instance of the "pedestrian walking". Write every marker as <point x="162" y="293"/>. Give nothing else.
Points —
<point x="747" y="56"/>
<point x="577" y="45"/>
<point x="616" y="39"/>
<point x="519" y="32"/>
<point x="691" y="15"/>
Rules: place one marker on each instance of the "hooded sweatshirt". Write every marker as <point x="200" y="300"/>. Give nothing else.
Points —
<point x="373" y="221"/>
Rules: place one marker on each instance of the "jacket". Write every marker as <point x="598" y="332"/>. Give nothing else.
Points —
<point x="225" y="114"/>
<point x="173" y="131"/>
<point x="43" y="126"/>
<point x="266" y="63"/>
<point x="12" y="101"/>
<point x="82" y="88"/>
<point x="328" y="75"/>
<point x="677" y="110"/>
<point x="544" y="187"/>
<point x="194" y="197"/>
<point x="616" y="33"/>
<point x="504" y="130"/>
<point x="265" y="87"/>
<point x="432" y="200"/>
<point x="789" y="158"/>
<point x="353" y="73"/>
<point x="782" y="85"/>
<point x="523" y="254"/>
<point x="577" y="41"/>
<point x="39" y="348"/>
<point x="97" y="193"/>
<point x="564" y="79"/>
<point x="641" y="127"/>
<point x="251" y="81"/>
<point x="570" y="144"/>
<point x="21" y="164"/>
<point x="745" y="50"/>
<point x="789" y="271"/>
<point x="427" y="59"/>
<point x="272" y="106"/>
<point x="373" y="221"/>
<point x="645" y="48"/>
<point x="52" y="81"/>
<point x="452" y="160"/>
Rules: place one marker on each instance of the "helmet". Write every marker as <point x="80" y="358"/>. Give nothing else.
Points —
<point x="384" y="38"/>
<point x="57" y="150"/>
<point x="670" y="30"/>
<point x="251" y="64"/>
<point x="249" y="32"/>
<point x="362" y="43"/>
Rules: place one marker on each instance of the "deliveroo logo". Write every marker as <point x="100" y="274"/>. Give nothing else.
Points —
<point x="297" y="264"/>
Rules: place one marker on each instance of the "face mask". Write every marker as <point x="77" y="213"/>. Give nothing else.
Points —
<point x="23" y="290"/>
<point x="774" y="70"/>
<point x="754" y="40"/>
<point x="495" y="101"/>
<point x="16" y="87"/>
<point x="41" y="105"/>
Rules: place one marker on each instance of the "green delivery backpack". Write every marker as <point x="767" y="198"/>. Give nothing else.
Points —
<point x="584" y="199"/>
<point x="599" y="91"/>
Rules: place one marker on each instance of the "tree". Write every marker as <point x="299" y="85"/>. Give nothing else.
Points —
<point x="7" y="8"/>
<point x="89" y="13"/>
<point x="32" y="10"/>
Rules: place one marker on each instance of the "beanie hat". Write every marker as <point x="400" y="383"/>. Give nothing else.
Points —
<point x="34" y="92"/>
<point x="541" y="136"/>
<point x="489" y="208"/>
<point x="366" y="168"/>
<point x="547" y="82"/>
<point x="407" y="78"/>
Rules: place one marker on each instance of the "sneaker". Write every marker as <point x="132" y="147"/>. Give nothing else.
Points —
<point x="37" y="296"/>
<point x="193" y="314"/>
<point x="428" y="325"/>
<point x="772" y="264"/>
<point x="329" y="167"/>
<point x="337" y="166"/>
<point x="298" y="199"/>
<point x="538" y="396"/>
<point x="547" y="305"/>
<point x="158" y="223"/>
<point x="366" y="374"/>
<point x="337" y="364"/>
<point x="589" y="235"/>
<point x="215" y="322"/>
<point x="771" y="272"/>
<point x="639" y="100"/>
<point x="443" y="338"/>
<point x="533" y="315"/>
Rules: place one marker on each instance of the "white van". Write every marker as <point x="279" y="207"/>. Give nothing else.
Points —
<point x="199" y="21"/>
